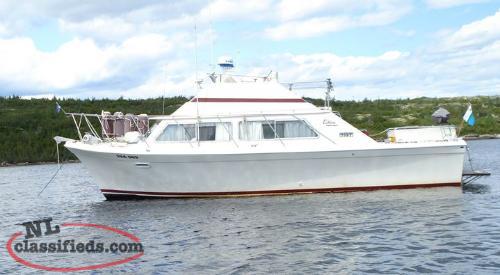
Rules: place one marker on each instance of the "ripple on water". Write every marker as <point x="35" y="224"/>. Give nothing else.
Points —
<point x="403" y="231"/>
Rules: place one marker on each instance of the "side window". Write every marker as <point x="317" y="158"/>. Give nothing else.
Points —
<point x="294" y="129"/>
<point x="178" y="132"/>
<point x="267" y="131"/>
<point x="254" y="130"/>
<point x="207" y="132"/>
<point x="280" y="128"/>
<point x="219" y="131"/>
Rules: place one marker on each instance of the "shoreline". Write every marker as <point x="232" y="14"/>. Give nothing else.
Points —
<point x="478" y="137"/>
<point x="8" y="164"/>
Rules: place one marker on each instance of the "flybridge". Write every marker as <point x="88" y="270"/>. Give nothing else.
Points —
<point x="270" y="94"/>
<point x="226" y="77"/>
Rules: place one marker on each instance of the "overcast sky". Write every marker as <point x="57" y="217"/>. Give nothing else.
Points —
<point x="146" y="48"/>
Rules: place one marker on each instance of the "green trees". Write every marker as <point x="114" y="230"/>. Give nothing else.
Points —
<point x="28" y="126"/>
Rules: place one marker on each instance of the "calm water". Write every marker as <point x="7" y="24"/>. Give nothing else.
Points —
<point x="446" y="230"/>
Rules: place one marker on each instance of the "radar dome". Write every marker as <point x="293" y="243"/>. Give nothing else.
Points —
<point x="225" y="63"/>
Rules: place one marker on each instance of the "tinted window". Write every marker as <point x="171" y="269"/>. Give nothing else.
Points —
<point x="207" y="133"/>
<point x="267" y="131"/>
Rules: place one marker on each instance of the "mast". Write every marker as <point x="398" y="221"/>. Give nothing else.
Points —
<point x="196" y="83"/>
<point x="164" y="91"/>
<point x="329" y="89"/>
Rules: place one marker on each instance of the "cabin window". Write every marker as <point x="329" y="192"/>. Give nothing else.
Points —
<point x="207" y="133"/>
<point x="267" y="131"/>
<point x="217" y="131"/>
<point x="254" y="130"/>
<point x="178" y="132"/>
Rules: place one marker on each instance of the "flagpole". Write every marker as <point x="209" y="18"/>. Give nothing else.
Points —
<point x="462" y="122"/>
<point x="460" y="127"/>
<point x="57" y="103"/>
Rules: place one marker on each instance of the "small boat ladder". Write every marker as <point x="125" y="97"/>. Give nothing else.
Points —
<point x="472" y="175"/>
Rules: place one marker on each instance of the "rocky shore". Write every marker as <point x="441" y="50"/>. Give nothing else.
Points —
<point x="475" y="137"/>
<point x="7" y="164"/>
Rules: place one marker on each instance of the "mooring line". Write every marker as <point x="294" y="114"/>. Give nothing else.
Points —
<point x="59" y="166"/>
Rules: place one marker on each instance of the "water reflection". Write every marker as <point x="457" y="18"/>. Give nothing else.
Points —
<point x="476" y="188"/>
<point x="450" y="230"/>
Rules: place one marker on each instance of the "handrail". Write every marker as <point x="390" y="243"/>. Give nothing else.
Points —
<point x="103" y="128"/>
<point x="92" y="129"/>
<point x="444" y="135"/>
<point x="272" y="128"/>
<point x="418" y="126"/>
<point x="186" y="131"/>
<point x="229" y="132"/>
<point x="77" y="127"/>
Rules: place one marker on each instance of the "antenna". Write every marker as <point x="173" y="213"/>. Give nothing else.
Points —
<point x="212" y="61"/>
<point x="329" y="88"/>
<point x="196" y="55"/>
<point x="196" y="82"/>
<point x="163" y="96"/>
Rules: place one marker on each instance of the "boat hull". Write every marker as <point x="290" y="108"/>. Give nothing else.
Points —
<point x="222" y="175"/>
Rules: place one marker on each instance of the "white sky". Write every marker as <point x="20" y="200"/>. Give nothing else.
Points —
<point x="139" y="49"/>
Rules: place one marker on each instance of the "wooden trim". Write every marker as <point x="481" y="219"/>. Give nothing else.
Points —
<point x="113" y="193"/>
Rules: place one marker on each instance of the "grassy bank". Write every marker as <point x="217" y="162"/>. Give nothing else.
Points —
<point x="27" y="126"/>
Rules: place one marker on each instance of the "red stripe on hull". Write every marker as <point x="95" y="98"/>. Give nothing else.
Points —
<point x="117" y="193"/>
<point x="247" y="100"/>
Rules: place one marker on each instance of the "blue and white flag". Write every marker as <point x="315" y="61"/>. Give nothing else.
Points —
<point x="469" y="116"/>
<point x="58" y="108"/>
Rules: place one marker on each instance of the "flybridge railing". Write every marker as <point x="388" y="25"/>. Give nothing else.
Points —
<point x="226" y="77"/>
<point x="446" y="132"/>
<point x="309" y="85"/>
<point x="319" y="84"/>
<point x="326" y="84"/>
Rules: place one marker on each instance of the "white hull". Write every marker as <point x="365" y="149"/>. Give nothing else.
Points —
<point x="207" y="175"/>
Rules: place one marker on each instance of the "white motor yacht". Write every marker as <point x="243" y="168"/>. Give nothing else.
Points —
<point x="239" y="138"/>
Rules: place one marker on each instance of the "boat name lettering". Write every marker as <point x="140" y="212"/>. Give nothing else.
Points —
<point x="346" y="134"/>
<point x="126" y="157"/>
<point x="328" y="122"/>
